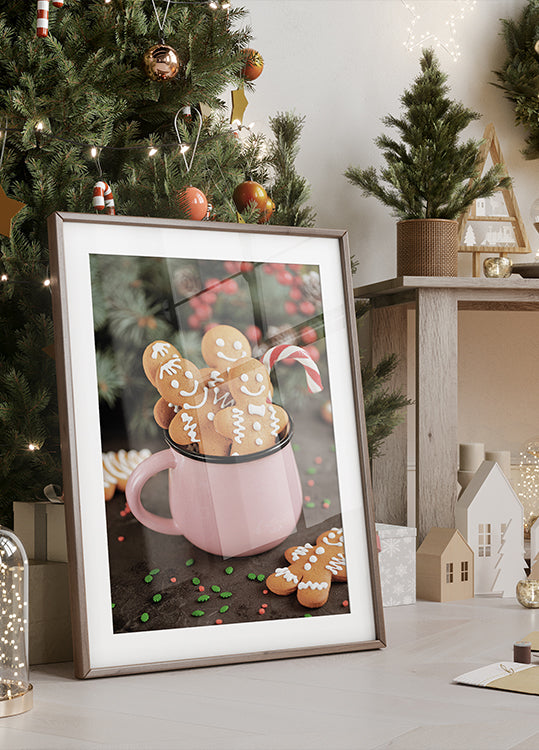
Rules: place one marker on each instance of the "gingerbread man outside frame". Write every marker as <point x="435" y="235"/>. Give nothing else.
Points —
<point x="312" y="569"/>
<point x="253" y="423"/>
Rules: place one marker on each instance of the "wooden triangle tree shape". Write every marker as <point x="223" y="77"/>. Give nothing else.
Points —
<point x="470" y="218"/>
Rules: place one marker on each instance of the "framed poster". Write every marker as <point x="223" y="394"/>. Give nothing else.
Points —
<point x="217" y="487"/>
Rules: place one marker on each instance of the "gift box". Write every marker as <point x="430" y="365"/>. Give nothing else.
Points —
<point x="41" y="528"/>
<point x="49" y="632"/>
<point x="397" y="559"/>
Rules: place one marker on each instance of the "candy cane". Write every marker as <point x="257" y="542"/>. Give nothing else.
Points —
<point x="103" y="198"/>
<point x="288" y="351"/>
<point x="43" y="15"/>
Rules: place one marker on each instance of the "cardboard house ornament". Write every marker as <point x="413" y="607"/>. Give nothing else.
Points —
<point x="490" y="516"/>
<point x="497" y="221"/>
<point x="445" y="567"/>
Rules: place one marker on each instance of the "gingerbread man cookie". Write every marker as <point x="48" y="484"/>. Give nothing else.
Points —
<point x="253" y="423"/>
<point x="312" y="569"/>
<point x="155" y="355"/>
<point x="222" y="346"/>
<point x="181" y="384"/>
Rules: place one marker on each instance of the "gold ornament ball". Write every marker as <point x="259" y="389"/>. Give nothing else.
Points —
<point x="161" y="62"/>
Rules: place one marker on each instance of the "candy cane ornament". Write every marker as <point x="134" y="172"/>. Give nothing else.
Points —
<point x="288" y="351"/>
<point x="43" y="15"/>
<point x="103" y="198"/>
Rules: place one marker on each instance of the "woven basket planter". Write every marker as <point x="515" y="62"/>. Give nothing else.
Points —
<point x="427" y="247"/>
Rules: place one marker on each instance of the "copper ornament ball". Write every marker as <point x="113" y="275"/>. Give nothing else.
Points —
<point x="161" y="62"/>
<point x="250" y="192"/>
<point x="193" y="203"/>
<point x="253" y="65"/>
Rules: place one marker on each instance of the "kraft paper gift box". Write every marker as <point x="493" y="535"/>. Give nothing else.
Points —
<point x="397" y="559"/>
<point x="49" y="632"/>
<point x="41" y="528"/>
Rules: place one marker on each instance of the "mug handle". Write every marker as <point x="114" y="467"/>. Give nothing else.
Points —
<point x="144" y="471"/>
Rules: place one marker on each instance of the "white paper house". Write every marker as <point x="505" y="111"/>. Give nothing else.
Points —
<point x="490" y="517"/>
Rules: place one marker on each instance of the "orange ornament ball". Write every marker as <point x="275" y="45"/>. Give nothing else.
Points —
<point x="249" y="192"/>
<point x="254" y="64"/>
<point x="267" y="212"/>
<point x="193" y="203"/>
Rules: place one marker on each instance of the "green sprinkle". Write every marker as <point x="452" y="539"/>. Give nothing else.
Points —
<point x="148" y="579"/>
<point x="307" y="614"/>
<point x="157" y="597"/>
<point x="195" y="581"/>
<point x="216" y="589"/>
<point x="251" y="576"/>
<point x="229" y="570"/>
<point x="224" y="609"/>
<point x="309" y="505"/>
<point x="189" y="562"/>
<point x="332" y="449"/>
<point x="311" y="470"/>
<point x="225" y="594"/>
<point x="113" y="605"/>
<point x="145" y="617"/>
<point x="295" y="447"/>
<point x="261" y="577"/>
<point x="154" y="572"/>
<point x="197" y="613"/>
<point x="203" y="598"/>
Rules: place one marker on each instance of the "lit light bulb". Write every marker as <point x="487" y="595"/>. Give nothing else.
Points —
<point x="4" y="277"/>
<point x="47" y="282"/>
<point x="39" y="126"/>
<point x="93" y="152"/>
<point x="32" y="447"/>
<point x="183" y="148"/>
<point x="152" y="151"/>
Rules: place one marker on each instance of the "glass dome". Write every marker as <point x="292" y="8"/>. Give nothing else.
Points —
<point x="15" y="690"/>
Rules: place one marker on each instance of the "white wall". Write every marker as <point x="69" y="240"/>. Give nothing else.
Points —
<point x="343" y="64"/>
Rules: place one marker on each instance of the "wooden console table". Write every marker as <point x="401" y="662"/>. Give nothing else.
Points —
<point x="437" y="301"/>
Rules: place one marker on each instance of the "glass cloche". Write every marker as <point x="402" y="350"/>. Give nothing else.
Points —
<point x="15" y="690"/>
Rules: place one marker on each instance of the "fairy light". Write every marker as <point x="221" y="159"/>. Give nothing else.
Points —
<point x="33" y="447"/>
<point x="39" y="127"/>
<point x="152" y="151"/>
<point x="184" y="148"/>
<point x="449" y="44"/>
<point x="47" y="282"/>
<point x="4" y="277"/>
<point x="93" y="152"/>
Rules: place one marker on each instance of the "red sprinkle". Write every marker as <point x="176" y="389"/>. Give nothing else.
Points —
<point x="173" y="580"/>
<point x="325" y="505"/>
<point x="261" y="611"/>
<point x="345" y="603"/>
<point x="318" y="460"/>
<point x="264" y="606"/>
<point x="265" y="592"/>
<point x="121" y="538"/>
<point x="201" y="588"/>
<point x="310" y="482"/>
<point x="307" y="498"/>
<point x="218" y="622"/>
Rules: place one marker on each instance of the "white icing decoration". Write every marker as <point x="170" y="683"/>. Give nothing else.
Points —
<point x="170" y="368"/>
<point x="314" y="585"/>
<point x="174" y="383"/>
<point x="237" y="345"/>
<point x="300" y="551"/>
<point x="188" y="374"/>
<point x="259" y="377"/>
<point x="221" y="355"/>
<point x="160" y="349"/>
<point x="188" y="394"/>
<point x="259" y="441"/>
<point x="259" y="410"/>
<point x="307" y="566"/>
<point x="313" y="558"/>
<point x="247" y="392"/>
<point x="244" y="378"/>
<point x="238" y="422"/>
<point x="190" y="427"/>
<point x="223" y="399"/>
<point x="336" y="564"/>
<point x="274" y="422"/>
<point x="257" y="426"/>
<point x="331" y="535"/>
<point x="220" y="342"/>
<point x="338" y="543"/>
<point x="320" y="550"/>
<point x="211" y="416"/>
<point x="288" y="576"/>
<point x="201" y="404"/>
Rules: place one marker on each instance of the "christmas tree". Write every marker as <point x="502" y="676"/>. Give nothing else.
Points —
<point x="429" y="174"/>
<point x="519" y="75"/>
<point x="98" y="101"/>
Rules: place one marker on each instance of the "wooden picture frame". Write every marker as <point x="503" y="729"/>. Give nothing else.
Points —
<point x="144" y="600"/>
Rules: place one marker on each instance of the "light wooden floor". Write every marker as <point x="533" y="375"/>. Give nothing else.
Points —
<point x="400" y="697"/>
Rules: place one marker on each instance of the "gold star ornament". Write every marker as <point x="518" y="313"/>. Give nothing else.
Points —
<point x="239" y="105"/>
<point x="9" y="208"/>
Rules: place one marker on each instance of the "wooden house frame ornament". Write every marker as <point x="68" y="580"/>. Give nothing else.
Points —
<point x="491" y="146"/>
<point x="445" y="567"/>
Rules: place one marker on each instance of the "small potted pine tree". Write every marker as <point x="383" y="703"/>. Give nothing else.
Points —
<point x="430" y="177"/>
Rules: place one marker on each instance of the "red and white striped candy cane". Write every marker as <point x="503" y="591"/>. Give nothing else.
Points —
<point x="43" y="18"/>
<point x="43" y="15"/>
<point x="289" y="351"/>
<point x="103" y="198"/>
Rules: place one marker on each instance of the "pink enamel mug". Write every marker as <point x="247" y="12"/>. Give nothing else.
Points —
<point x="231" y="506"/>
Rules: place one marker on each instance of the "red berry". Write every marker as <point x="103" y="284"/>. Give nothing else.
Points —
<point x="229" y="286"/>
<point x="212" y="283"/>
<point x="313" y="352"/>
<point x="245" y="266"/>
<point x="278" y="266"/>
<point x="194" y="302"/>
<point x="285" y="278"/>
<point x="295" y="294"/>
<point x="209" y="326"/>
<point x="308" y="335"/>
<point x="290" y="308"/>
<point x="232" y="266"/>
<point x="267" y="269"/>
<point x="307" y="308"/>
<point x="193" y="321"/>
<point x="253" y="333"/>
<point x="208" y="298"/>
<point x="204" y="312"/>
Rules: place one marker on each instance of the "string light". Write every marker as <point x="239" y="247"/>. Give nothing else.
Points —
<point x="450" y="45"/>
<point x="152" y="151"/>
<point x="93" y="152"/>
<point x="39" y="127"/>
<point x="184" y="148"/>
<point x="47" y="282"/>
<point x="33" y="447"/>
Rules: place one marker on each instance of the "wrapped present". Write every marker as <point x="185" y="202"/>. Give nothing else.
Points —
<point x="397" y="559"/>
<point x="41" y="528"/>
<point x="49" y="632"/>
